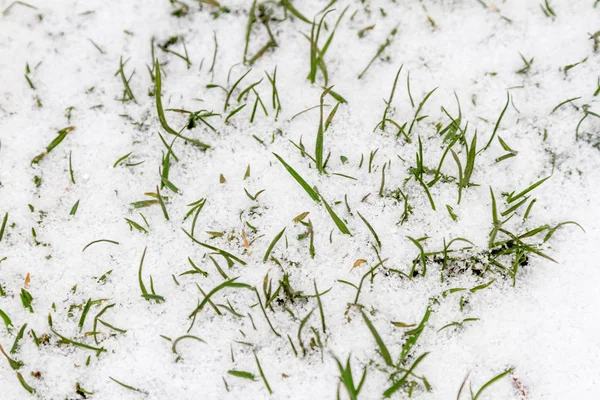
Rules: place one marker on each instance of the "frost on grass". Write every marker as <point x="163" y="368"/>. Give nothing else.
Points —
<point x="299" y="199"/>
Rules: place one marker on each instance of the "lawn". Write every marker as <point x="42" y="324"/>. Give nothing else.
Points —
<point x="290" y="199"/>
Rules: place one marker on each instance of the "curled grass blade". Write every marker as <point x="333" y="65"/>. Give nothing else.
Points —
<point x="99" y="241"/>
<point x="491" y="381"/>
<point x="161" y="113"/>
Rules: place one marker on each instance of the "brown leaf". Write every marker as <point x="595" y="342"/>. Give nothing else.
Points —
<point x="357" y="263"/>
<point x="246" y="244"/>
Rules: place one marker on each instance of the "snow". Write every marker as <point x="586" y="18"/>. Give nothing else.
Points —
<point x="545" y="327"/>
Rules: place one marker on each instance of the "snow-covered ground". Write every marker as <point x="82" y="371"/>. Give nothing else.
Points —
<point x="378" y="225"/>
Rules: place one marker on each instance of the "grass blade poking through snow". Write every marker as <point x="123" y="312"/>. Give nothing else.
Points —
<point x="496" y="222"/>
<point x="490" y="382"/>
<point x="511" y="197"/>
<point x="6" y="319"/>
<point x="179" y="339"/>
<point x="145" y="294"/>
<point x="422" y="256"/>
<point x="98" y="241"/>
<point x="413" y="336"/>
<point x="265" y="312"/>
<point x="225" y="254"/>
<point x="289" y="7"/>
<point x="24" y="384"/>
<point x="15" y="365"/>
<point x="497" y="124"/>
<point x="318" y="296"/>
<point x="251" y="19"/>
<point x="3" y="227"/>
<point x="338" y="222"/>
<point x="125" y="386"/>
<point x="348" y="380"/>
<point x="162" y="203"/>
<point x="419" y="109"/>
<point x="231" y="283"/>
<point x="394" y="388"/>
<point x="262" y="374"/>
<point x="382" y="347"/>
<point x="161" y="113"/>
<point x="66" y="340"/>
<point x="272" y="245"/>
<point x="242" y="374"/>
<point x="320" y="132"/>
<point x="62" y="134"/>
<point x="230" y="92"/>
<point x="371" y="229"/>
<point x="380" y="50"/>
<point x="311" y="192"/>
<point x="388" y="104"/>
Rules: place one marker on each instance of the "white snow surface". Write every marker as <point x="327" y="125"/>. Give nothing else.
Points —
<point x="546" y="327"/>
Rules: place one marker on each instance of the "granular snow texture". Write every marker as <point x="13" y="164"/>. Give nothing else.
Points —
<point x="523" y="77"/>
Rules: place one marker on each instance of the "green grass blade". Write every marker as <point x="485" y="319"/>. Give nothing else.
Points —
<point x="272" y="245"/>
<point x="491" y="381"/>
<point x="3" y="227"/>
<point x="161" y="113"/>
<point x="311" y="192"/>
<point x="497" y="124"/>
<point x="338" y="222"/>
<point x="382" y="347"/>
<point x="512" y="198"/>
<point x="371" y="229"/>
